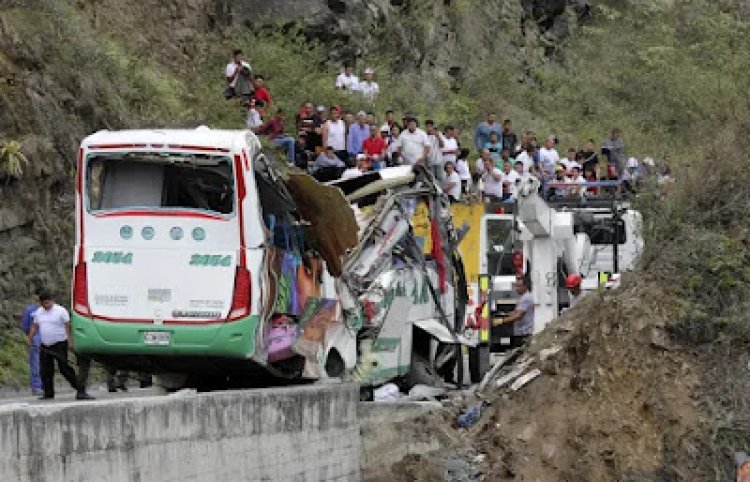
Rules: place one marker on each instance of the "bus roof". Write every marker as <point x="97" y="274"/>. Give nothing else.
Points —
<point x="200" y="138"/>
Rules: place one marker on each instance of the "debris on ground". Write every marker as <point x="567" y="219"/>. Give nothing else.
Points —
<point x="471" y="415"/>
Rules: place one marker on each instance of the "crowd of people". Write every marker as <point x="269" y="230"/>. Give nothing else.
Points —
<point x="331" y="142"/>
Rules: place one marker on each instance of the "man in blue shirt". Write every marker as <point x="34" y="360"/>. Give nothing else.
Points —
<point x="358" y="132"/>
<point x="483" y="131"/>
<point x="27" y="320"/>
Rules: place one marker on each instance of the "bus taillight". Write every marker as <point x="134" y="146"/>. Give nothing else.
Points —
<point x="80" y="290"/>
<point x="241" y="296"/>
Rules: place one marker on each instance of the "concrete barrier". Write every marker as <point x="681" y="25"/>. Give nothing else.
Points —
<point x="306" y="433"/>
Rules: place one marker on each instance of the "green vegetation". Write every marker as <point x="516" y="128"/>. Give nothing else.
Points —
<point x="12" y="159"/>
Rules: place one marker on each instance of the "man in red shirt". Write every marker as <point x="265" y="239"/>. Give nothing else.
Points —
<point x="261" y="92"/>
<point x="274" y="129"/>
<point x="374" y="147"/>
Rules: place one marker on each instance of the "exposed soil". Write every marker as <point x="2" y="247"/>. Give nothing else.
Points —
<point x="623" y="400"/>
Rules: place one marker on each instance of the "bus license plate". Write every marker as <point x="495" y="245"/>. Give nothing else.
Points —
<point x="156" y="338"/>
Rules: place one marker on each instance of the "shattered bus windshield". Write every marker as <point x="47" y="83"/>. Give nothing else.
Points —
<point x="152" y="181"/>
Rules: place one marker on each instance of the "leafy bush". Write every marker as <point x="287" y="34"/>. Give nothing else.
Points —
<point x="12" y="159"/>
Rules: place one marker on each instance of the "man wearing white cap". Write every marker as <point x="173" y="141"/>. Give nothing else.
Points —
<point x="369" y="87"/>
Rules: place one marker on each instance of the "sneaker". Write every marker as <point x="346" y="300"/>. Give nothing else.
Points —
<point x="84" y="396"/>
<point x="37" y="392"/>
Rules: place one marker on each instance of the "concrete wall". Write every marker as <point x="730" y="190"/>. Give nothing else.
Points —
<point x="302" y="434"/>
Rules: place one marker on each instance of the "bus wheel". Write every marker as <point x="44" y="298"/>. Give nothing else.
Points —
<point x="169" y="382"/>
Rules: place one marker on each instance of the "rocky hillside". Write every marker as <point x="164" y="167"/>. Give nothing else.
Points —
<point x="71" y="68"/>
<point x="671" y="74"/>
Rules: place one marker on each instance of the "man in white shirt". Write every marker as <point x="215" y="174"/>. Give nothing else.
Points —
<point x="413" y="144"/>
<point x="450" y="145"/>
<point x="492" y="178"/>
<point x="369" y="87"/>
<point x="569" y="161"/>
<point x="53" y="324"/>
<point x="548" y="158"/>
<point x="526" y="158"/>
<point x="347" y="80"/>
<point x="509" y="181"/>
<point x="484" y="156"/>
<point x="235" y="67"/>
<point x="452" y="184"/>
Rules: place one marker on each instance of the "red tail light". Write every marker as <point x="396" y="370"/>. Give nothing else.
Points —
<point x="518" y="261"/>
<point x="500" y="211"/>
<point x="80" y="290"/>
<point x="241" y="297"/>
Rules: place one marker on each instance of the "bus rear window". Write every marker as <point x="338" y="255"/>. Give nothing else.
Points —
<point x="152" y="181"/>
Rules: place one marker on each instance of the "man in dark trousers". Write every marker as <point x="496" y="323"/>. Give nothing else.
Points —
<point x="52" y="322"/>
<point x="26" y="322"/>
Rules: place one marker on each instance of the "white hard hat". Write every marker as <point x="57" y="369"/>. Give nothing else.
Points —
<point x="649" y="161"/>
<point x="632" y="162"/>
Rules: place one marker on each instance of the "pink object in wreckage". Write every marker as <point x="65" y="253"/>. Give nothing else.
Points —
<point x="280" y="342"/>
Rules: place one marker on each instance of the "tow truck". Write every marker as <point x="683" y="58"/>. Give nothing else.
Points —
<point x="545" y="240"/>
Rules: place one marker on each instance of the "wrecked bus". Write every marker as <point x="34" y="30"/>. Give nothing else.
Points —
<point x="196" y="260"/>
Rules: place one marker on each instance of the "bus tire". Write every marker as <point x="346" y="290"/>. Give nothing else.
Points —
<point x="169" y="381"/>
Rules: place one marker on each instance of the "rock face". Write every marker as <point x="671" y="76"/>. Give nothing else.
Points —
<point x="424" y="33"/>
<point x="63" y="75"/>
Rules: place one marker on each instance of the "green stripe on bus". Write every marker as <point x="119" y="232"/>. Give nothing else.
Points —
<point x="232" y="339"/>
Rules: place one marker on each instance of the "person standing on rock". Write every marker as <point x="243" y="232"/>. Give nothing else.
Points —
<point x="27" y="320"/>
<point x="52" y="322"/>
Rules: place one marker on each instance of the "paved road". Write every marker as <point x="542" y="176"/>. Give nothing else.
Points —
<point x="66" y="396"/>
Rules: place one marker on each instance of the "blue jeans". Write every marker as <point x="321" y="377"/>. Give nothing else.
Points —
<point x="36" y="379"/>
<point x="286" y="142"/>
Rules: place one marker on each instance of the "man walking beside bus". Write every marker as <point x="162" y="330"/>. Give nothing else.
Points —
<point x="52" y="322"/>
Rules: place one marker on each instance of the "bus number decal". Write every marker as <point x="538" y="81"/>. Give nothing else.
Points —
<point x="210" y="260"/>
<point x="112" y="257"/>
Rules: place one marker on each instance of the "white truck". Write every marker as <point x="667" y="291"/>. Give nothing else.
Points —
<point x="545" y="241"/>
